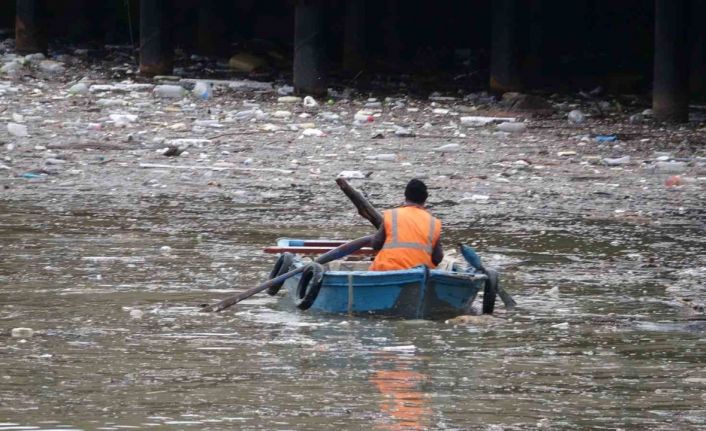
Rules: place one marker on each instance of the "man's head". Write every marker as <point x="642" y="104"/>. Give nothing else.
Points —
<point x="416" y="192"/>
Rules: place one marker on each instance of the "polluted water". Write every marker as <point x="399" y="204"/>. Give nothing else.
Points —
<point x="126" y="208"/>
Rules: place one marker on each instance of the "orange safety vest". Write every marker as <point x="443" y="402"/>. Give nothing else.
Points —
<point x="410" y="235"/>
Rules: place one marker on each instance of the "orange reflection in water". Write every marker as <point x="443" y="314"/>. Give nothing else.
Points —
<point x="403" y="400"/>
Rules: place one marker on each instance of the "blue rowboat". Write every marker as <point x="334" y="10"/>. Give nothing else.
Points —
<point x="348" y="287"/>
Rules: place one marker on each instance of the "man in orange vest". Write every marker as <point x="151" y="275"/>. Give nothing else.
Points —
<point x="409" y="235"/>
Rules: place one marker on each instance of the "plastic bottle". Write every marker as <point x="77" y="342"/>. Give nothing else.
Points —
<point x="576" y="117"/>
<point x="22" y="332"/>
<point x="448" y="148"/>
<point x="602" y="139"/>
<point x="671" y="167"/>
<point x="313" y="133"/>
<point x="383" y="157"/>
<point x="617" y="161"/>
<point x="482" y="121"/>
<point x="289" y="99"/>
<point x="80" y="88"/>
<point x="363" y="117"/>
<point x="18" y="130"/>
<point x="11" y="68"/>
<point x="50" y="66"/>
<point x="169" y="91"/>
<point x="203" y="90"/>
<point x="512" y="127"/>
<point x="310" y="102"/>
<point x="35" y="57"/>
<point x="250" y="114"/>
<point x="330" y="116"/>
<point x="122" y="120"/>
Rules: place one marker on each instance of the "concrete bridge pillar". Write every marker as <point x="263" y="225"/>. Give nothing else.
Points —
<point x="309" y="47"/>
<point x="505" y="47"/>
<point x="670" y="93"/>
<point x="30" y="26"/>
<point x="156" y="52"/>
<point x="533" y="61"/>
<point x="211" y="38"/>
<point x="354" y="49"/>
<point x="697" y="67"/>
<point x="392" y="32"/>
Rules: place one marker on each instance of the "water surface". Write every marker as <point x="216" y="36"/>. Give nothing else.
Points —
<point x="111" y="286"/>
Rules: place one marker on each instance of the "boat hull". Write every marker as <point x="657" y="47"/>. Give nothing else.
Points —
<point x="417" y="293"/>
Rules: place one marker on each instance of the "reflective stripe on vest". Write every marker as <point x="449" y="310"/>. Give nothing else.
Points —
<point x="395" y="242"/>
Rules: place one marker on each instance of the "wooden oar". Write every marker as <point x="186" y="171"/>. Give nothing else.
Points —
<point x="368" y="211"/>
<point x="365" y="208"/>
<point x="337" y="253"/>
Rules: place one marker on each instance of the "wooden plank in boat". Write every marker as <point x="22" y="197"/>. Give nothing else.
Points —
<point x="366" y="251"/>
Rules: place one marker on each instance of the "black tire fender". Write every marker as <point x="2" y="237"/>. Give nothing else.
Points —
<point x="284" y="262"/>
<point x="309" y="286"/>
<point x="490" y="291"/>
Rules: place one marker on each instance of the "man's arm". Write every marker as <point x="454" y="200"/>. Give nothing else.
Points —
<point x="437" y="254"/>
<point x="379" y="238"/>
